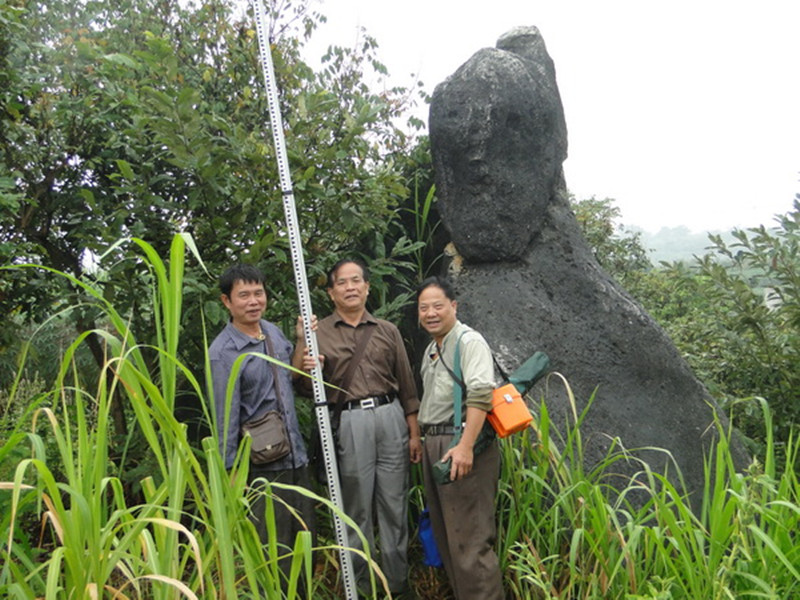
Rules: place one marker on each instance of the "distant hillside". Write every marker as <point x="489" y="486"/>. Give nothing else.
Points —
<point x="672" y="244"/>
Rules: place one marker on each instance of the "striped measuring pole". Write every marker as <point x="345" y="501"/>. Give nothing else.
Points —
<point x="301" y="281"/>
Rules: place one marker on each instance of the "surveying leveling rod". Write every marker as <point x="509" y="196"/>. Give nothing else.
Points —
<point x="290" y="212"/>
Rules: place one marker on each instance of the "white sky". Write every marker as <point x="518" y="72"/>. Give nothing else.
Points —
<point x="684" y="112"/>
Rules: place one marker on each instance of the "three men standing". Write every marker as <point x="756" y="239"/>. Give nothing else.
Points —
<point x="378" y="434"/>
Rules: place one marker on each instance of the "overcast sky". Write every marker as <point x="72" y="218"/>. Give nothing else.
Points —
<point x="684" y="112"/>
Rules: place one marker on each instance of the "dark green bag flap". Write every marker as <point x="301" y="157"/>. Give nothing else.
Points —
<point x="529" y="372"/>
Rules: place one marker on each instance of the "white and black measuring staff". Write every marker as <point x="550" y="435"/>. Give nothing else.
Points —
<point x="298" y="263"/>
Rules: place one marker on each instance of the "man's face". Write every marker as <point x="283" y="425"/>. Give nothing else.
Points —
<point x="437" y="313"/>
<point x="246" y="303"/>
<point x="349" y="291"/>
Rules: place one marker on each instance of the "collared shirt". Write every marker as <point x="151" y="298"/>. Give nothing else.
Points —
<point x="477" y="371"/>
<point x="254" y="390"/>
<point x="383" y="368"/>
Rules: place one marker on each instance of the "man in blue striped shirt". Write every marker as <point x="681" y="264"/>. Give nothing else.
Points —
<point x="256" y="391"/>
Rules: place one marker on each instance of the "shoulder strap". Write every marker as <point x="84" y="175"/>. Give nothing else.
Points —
<point x="278" y="396"/>
<point x="457" y="376"/>
<point x="361" y="345"/>
<point x="457" y="356"/>
<point x="270" y="349"/>
<point x="500" y="368"/>
<point x="460" y="390"/>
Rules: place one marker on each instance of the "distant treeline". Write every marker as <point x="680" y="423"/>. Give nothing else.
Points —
<point x="672" y="244"/>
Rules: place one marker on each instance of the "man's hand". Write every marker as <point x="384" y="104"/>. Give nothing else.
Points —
<point x="462" y="456"/>
<point x="414" y="439"/>
<point x="299" y="332"/>
<point x="415" y="449"/>
<point x="300" y="358"/>
<point x="462" y="453"/>
<point x="309" y="362"/>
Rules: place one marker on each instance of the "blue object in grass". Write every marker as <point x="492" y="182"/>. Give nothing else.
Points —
<point x="430" y="551"/>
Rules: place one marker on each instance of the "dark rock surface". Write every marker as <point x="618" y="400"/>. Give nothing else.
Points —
<point x="500" y="117"/>
<point x="527" y="279"/>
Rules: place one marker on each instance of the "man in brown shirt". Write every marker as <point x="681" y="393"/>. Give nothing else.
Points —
<point x="378" y="433"/>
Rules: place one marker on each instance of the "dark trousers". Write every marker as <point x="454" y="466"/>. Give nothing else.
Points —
<point x="287" y="526"/>
<point x="463" y="520"/>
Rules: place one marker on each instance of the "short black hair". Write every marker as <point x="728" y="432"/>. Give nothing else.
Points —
<point x="439" y="282"/>
<point x="239" y="272"/>
<point x="356" y="261"/>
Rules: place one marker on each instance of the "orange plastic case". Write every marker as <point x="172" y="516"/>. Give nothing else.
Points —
<point x="509" y="412"/>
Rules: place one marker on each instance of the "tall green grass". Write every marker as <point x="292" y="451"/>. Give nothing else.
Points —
<point x="186" y="534"/>
<point x="72" y="528"/>
<point x="566" y="533"/>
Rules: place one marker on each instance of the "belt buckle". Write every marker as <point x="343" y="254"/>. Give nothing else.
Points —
<point x="367" y="403"/>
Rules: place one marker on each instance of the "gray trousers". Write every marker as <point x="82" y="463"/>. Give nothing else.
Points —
<point x="463" y="520"/>
<point x="373" y="462"/>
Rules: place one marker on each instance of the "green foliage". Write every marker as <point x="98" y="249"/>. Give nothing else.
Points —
<point x="424" y="230"/>
<point x="618" y="250"/>
<point x="758" y="306"/>
<point x="148" y="118"/>
<point x="569" y="532"/>
<point x="734" y="316"/>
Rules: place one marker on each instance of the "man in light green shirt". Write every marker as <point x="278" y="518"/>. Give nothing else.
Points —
<point x="476" y="366"/>
<point x="462" y="511"/>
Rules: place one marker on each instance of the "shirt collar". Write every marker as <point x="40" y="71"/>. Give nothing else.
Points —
<point x="242" y="340"/>
<point x="452" y="335"/>
<point x="365" y="318"/>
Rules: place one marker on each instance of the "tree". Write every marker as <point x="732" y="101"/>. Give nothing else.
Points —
<point x="144" y="118"/>
<point x="755" y="287"/>
<point x="617" y="249"/>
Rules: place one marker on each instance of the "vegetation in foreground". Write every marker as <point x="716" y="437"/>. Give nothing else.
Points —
<point x="75" y="526"/>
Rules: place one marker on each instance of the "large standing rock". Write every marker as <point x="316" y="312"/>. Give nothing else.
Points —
<point x="529" y="281"/>
<point x="501" y="115"/>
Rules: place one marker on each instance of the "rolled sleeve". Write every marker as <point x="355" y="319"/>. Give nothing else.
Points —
<point x="478" y="369"/>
